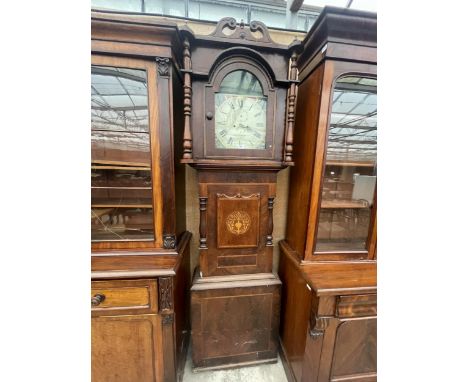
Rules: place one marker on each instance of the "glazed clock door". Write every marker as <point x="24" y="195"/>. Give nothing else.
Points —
<point x="239" y="114"/>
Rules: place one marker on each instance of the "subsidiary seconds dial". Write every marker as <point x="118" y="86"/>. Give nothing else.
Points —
<point x="240" y="121"/>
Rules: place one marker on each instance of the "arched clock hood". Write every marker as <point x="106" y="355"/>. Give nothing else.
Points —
<point x="240" y="47"/>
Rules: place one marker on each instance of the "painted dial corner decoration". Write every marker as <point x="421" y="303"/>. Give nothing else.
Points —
<point x="240" y="117"/>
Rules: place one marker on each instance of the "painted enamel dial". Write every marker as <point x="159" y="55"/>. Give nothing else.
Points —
<point x="240" y="121"/>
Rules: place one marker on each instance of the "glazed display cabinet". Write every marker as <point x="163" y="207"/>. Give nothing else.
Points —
<point x="140" y="249"/>
<point x="328" y="259"/>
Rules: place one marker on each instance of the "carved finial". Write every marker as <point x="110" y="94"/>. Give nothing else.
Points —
<point x="294" y="63"/>
<point x="241" y="32"/>
<point x="186" y="48"/>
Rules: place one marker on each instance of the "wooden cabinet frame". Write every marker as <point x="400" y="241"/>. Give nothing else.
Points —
<point x="153" y="45"/>
<point x="341" y="42"/>
<point x="315" y="100"/>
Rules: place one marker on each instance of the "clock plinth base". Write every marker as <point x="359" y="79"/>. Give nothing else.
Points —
<point x="235" y="320"/>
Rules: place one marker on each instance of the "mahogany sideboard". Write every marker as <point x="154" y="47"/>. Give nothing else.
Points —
<point x="140" y="330"/>
<point x="329" y="319"/>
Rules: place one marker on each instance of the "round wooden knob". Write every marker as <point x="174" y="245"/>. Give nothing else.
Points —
<point x="97" y="299"/>
<point x="209" y="115"/>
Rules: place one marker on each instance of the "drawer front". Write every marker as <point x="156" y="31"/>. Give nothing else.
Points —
<point x="119" y="297"/>
<point x="357" y="305"/>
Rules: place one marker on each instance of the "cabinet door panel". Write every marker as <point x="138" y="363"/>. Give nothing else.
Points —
<point x="237" y="229"/>
<point x="355" y="348"/>
<point x="124" y="348"/>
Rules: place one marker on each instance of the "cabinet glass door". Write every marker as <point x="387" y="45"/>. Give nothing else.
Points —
<point x="121" y="182"/>
<point x="349" y="181"/>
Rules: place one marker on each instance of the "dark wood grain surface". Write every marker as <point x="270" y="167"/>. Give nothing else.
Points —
<point x="344" y="278"/>
<point x="235" y="320"/>
<point x="143" y="263"/>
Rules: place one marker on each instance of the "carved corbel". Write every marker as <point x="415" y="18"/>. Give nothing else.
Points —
<point x="168" y="319"/>
<point x="169" y="241"/>
<point x="163" y="64"/>
<point x="165" y="294"/>
<point x="318" y="326"/>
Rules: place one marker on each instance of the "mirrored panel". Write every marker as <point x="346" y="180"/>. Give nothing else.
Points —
<point x="121" y="184"/>
<point x="349" y="181"/>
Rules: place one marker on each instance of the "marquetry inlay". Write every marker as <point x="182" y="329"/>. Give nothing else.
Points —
<point x="238" y="222"/>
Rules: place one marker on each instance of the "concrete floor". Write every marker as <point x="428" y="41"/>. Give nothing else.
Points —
<point x="261" y="373"/>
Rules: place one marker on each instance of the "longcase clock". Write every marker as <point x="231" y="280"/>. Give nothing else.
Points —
<point x="240" y="90"/>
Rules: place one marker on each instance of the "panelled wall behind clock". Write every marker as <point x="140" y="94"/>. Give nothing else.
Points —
<point x="239" y="106"/>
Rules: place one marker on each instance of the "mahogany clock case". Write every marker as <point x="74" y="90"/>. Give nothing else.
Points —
<point x="237" y="153"/>
<point x="140" y="251"/>
<point x="328" y="258"/>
